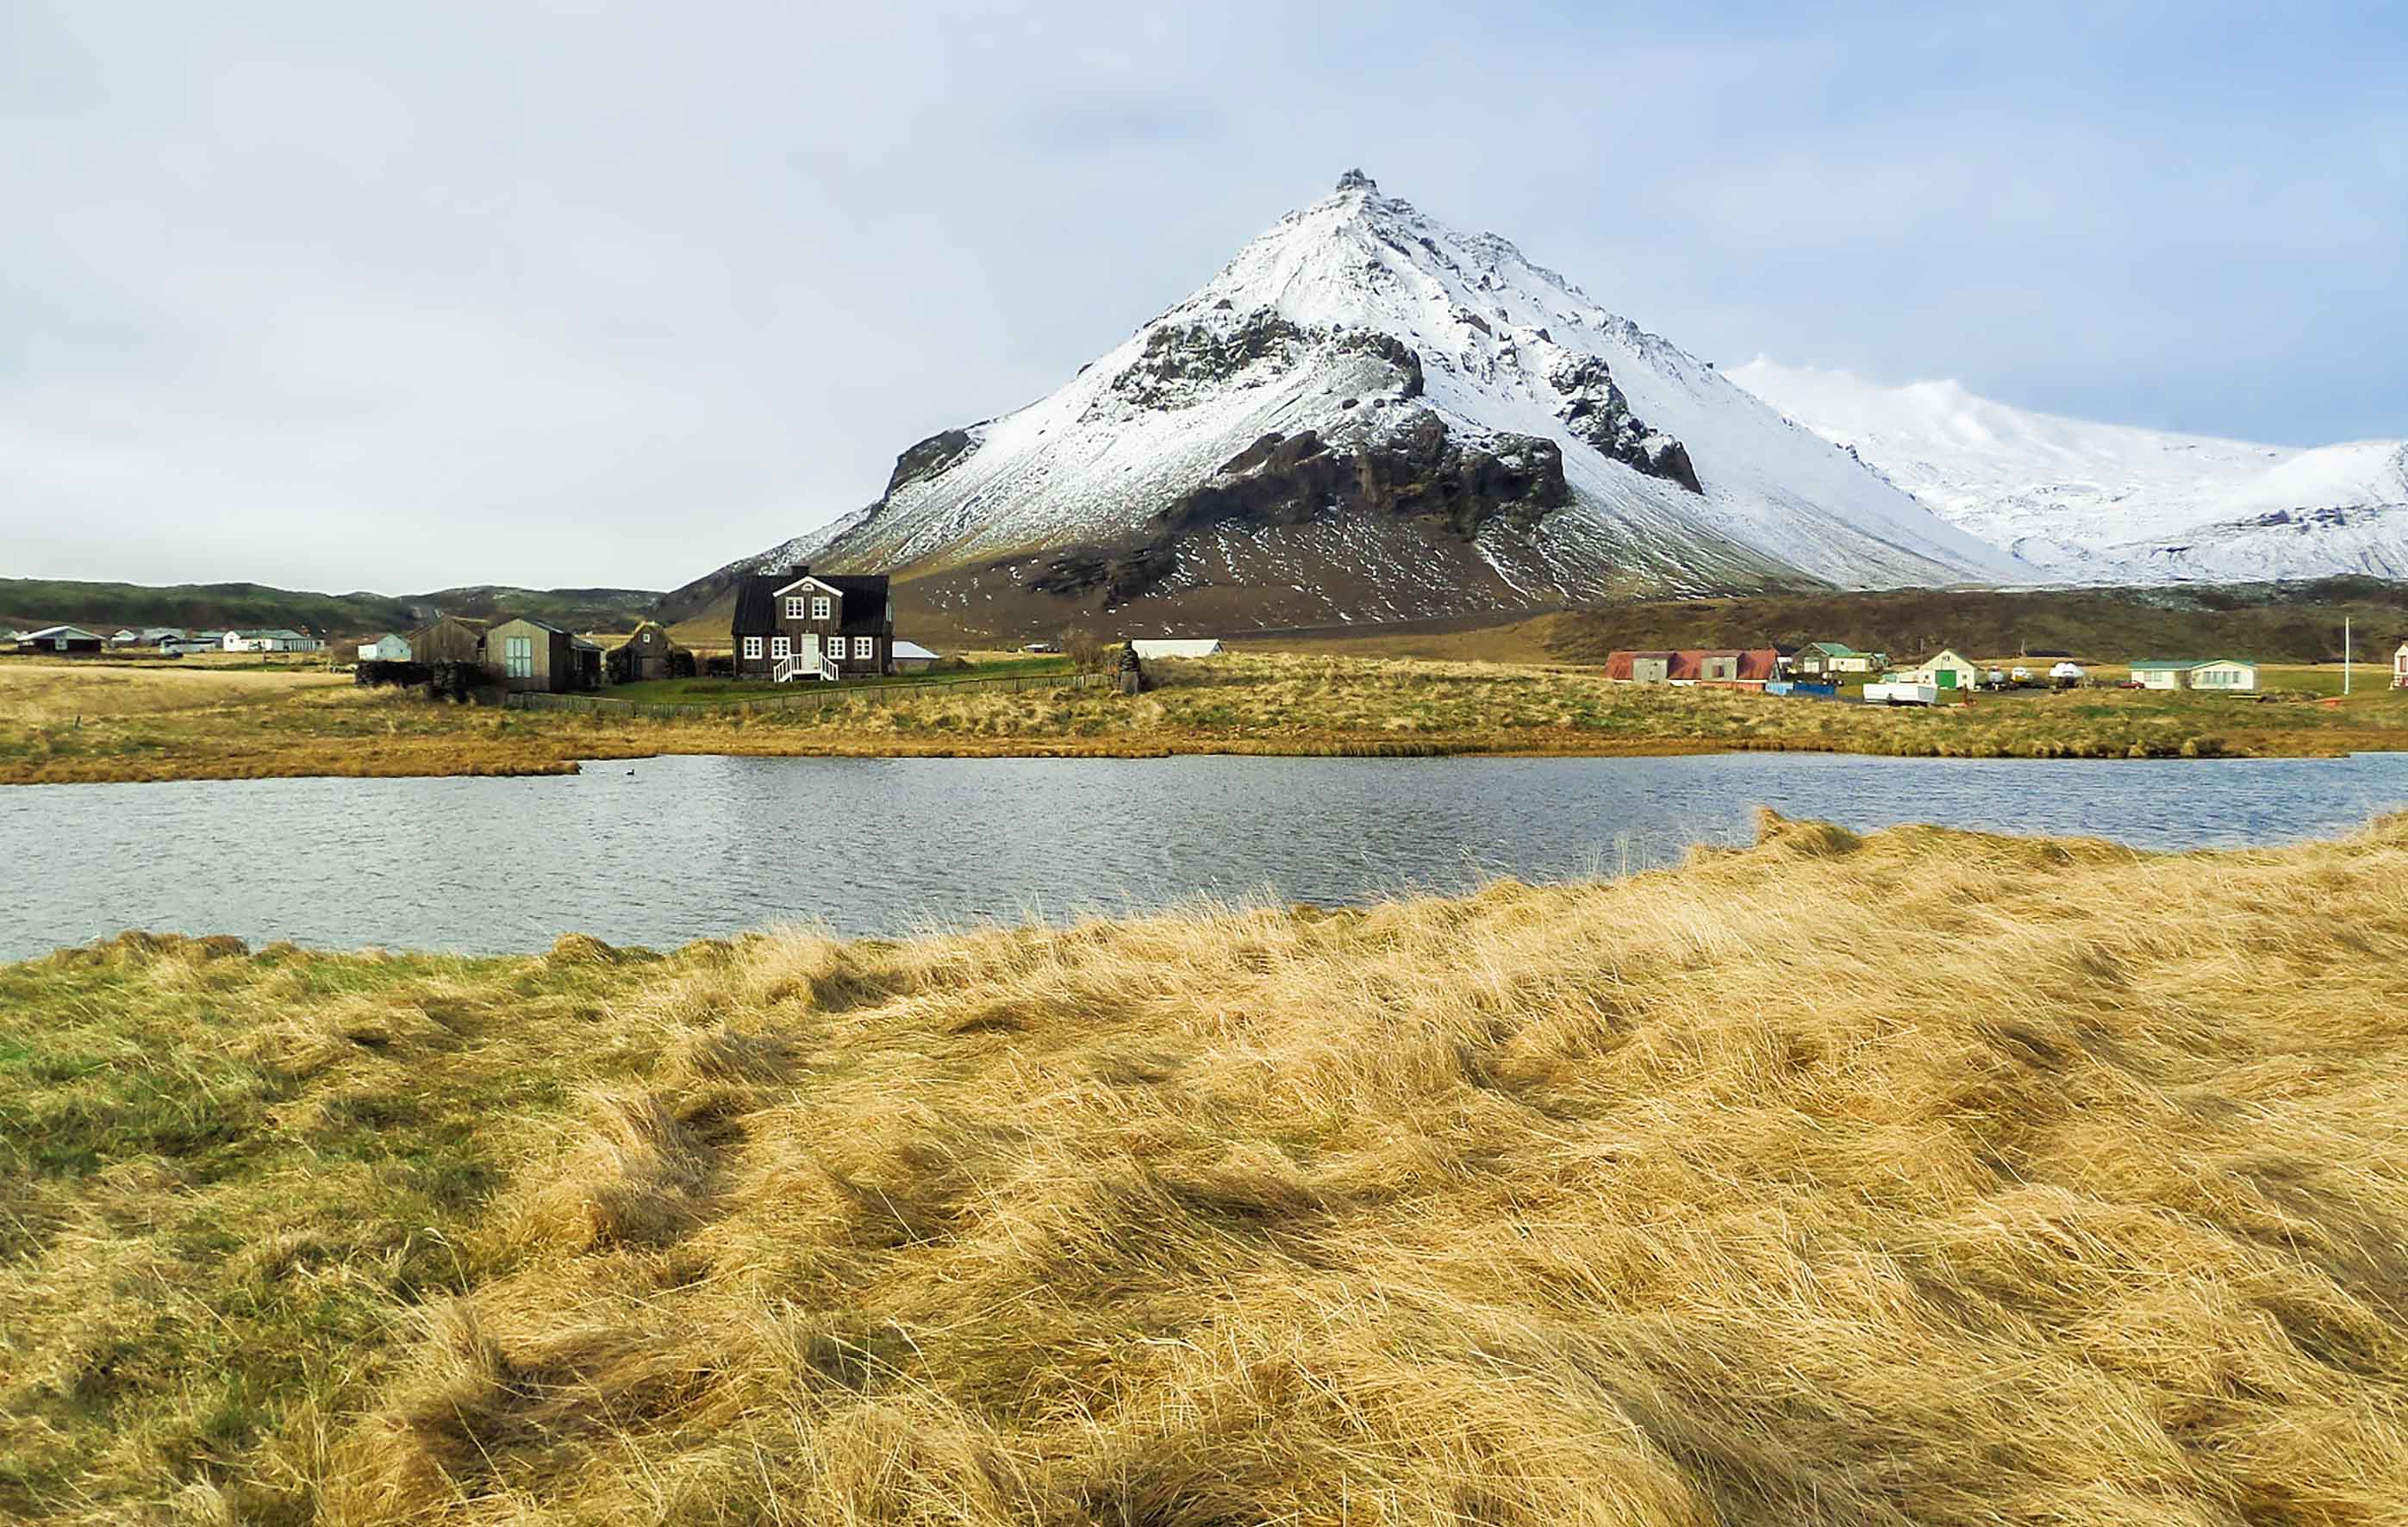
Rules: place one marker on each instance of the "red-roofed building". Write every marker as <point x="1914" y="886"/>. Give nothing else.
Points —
<point x="1748" y="667"/>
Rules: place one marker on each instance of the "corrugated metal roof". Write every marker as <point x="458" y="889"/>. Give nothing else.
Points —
<point x="1755" y="665"/>
<point x="1175" y="647"/>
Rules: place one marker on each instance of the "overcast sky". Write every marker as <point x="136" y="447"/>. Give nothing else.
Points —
<point x="407" y="296"/>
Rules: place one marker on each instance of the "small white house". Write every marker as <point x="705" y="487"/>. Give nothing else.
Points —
<point x="2228" y="675"/>
<point x="387" y="647"/>
<point x="1150" y="648"/>
<point x="2400" y="667"/>
<point x="911" y="658"/>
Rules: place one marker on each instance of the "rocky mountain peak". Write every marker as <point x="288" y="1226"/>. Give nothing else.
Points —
<point x="1369" y="415"/>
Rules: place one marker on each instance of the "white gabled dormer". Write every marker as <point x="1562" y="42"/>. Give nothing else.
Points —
<point x="808" y="598"/>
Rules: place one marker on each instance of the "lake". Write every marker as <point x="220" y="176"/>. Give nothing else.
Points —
<point x="660" y="851"/>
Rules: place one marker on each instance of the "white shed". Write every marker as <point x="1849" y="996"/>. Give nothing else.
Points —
<point x="1150" y="648"/>
<point x="387" y="647"/>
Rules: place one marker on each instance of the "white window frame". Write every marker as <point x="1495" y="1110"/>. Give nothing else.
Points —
<point x="795" y="608"/>
<point x="863" y="648"/>
<point x="820" y="607"/>
<point x="518" y="657"/>
<point x="752" y="646"/>
<point x="781" y="646"/>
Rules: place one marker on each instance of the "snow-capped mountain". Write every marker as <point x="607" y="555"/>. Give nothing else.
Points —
<point x="1366" y="415"/>
<point x="2108" y="503"/>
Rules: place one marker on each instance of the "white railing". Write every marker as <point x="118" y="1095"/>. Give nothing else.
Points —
<point x="797" y="666"/>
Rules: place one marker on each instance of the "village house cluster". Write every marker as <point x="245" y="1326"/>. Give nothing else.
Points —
<point x="175" y="641"/>
<point x="834" y="627"/>
<point x="1820" y="669"/>
<point x="796" y="627"/>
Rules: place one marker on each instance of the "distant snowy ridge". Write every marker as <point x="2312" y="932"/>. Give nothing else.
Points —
<point x="2111" y="503"/>
<point x="1369" y="415"/>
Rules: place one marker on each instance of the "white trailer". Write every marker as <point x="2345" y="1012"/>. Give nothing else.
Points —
<point x="1901" y="693"/>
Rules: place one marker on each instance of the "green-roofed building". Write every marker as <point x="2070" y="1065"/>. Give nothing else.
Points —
<point x="2223" y="676"/>
<point x="1827" y="659"/>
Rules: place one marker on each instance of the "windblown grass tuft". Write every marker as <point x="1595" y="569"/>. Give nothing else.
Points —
<point x="1917" y="1176"/>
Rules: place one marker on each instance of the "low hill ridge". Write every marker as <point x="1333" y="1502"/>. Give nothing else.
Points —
<point x="105" y="606"/>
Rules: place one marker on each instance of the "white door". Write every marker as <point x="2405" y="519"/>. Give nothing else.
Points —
<point x="810" y="653"/>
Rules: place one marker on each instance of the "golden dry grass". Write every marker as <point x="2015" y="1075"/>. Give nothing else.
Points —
<point x="1241" y="703"/>
<point x="51" y="694"/>
<point x="2080" y="1194"/>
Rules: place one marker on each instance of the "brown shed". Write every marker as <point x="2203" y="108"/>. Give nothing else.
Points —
<point x="448" y="638"/>
<point x="530" y="655"/>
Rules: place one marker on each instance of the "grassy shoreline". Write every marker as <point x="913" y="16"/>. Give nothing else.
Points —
<point x="91" y="723"/>
<point x="2076" y="1196"/>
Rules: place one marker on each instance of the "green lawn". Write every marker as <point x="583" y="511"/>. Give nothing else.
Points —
<point x="724" y="692"/>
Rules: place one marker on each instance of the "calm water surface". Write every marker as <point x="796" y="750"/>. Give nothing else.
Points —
<point x="661" y="850"/>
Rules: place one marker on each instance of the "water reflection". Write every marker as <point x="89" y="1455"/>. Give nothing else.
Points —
<point x="661" y="850"/>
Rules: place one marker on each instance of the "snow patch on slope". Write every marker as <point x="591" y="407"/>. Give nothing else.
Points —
<point x="2111" y="502"/>
<point x="1309" y="328"/>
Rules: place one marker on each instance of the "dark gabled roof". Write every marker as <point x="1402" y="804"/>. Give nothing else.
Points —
<point x="757" y="604"/>
<point x="865" y="601"/>
<point x="863" y="611"/>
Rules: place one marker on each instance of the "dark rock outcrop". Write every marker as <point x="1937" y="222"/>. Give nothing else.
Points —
<point x="930" y="457"/>
<point x="1392" y="349"/>
<point x="1417" y="471"/>
<point x="1180" y="359"/>
<point x="1597" y="412"/>
<point x="1179" y="356"/>
<point x="1120" y="574"/>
